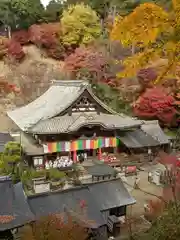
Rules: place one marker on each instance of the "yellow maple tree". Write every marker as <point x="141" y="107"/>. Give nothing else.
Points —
<point x="155" y="32"/>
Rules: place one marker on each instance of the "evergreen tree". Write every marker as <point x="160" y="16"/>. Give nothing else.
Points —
<point x="27" y="12"/>
<point x="54" y="10"/>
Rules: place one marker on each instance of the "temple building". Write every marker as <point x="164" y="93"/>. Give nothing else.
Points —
<point x="69" y="122"/>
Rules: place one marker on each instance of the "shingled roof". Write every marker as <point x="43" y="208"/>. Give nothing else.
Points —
<point x="60" y="96"/>
<point x="66" y="123"/>
<point x="153" y="129"/>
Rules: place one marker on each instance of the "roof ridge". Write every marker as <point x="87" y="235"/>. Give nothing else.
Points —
<point x="74" y="83"/>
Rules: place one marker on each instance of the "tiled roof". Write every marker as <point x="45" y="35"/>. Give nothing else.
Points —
<point x="97" y="197"/>
<point x="55" y="203"/>
<point x="111" y="194"/>
<point x="13" y="203"/>
<point x="55" y="100"/>
<point x="137" y="139"/>
<point x="72" y="123"/>
<point x="153" y="129"/>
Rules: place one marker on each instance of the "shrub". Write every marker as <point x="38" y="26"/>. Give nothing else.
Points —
<point x="154" y="103"/>
<point x="29" y="174"/>
<point x="21" y="36"/>
<point x="80" y="24"/>
<point x="15" y="50"/>
<point x="56" y="174"/>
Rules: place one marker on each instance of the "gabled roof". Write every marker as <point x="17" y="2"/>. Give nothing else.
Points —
<point x="153" y="129"/>
<point x="111" y="194"/>
<point x="98" y="197"/>
<point x="54" y="101"/>
<point x="137" y="139"/>
<point x="55" y="203"/>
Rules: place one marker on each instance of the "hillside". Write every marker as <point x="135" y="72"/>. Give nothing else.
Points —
<point x="33" y="75"/>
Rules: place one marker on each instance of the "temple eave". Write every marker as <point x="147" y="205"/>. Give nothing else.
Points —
<point x="68" y="124"/>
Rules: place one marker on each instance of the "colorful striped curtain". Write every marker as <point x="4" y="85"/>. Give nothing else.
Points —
<point x="82" y="144"/>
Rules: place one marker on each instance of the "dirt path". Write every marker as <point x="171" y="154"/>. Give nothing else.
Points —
<point x="146" y="192"/>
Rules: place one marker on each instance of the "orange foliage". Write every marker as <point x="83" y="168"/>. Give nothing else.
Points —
<point x="6" y="219"/>
<point x="142" y="26"/>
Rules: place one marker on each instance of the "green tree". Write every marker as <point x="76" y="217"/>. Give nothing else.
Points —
<point x="7" y="15"/>
<point x="112" y="98"/>
<point x="80" y="25"/>
<point x="27" y="12"/>
<point x="54" y="10"/>
<point x="166" y="226"/>
<point x="10" y="158"/>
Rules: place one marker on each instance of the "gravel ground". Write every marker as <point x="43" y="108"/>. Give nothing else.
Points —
<point x="146" y="192"/>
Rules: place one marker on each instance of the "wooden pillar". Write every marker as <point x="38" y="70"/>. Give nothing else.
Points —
<point x="94" y="150"/>
<point x="74" y="157"/>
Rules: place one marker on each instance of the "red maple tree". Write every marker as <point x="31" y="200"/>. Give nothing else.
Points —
<point x="15" y="50"/>
<point x="154" y="103"/>
<point x="21" y="36"/>
<point x="46" y="36"/>
<point x="90" y="63"/>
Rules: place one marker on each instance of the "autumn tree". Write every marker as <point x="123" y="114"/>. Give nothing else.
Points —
<point x="80" y="25"/>
<point x="154" y="103"/>
<point x="90" y="64"/>
<point x="155" y="32"/>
